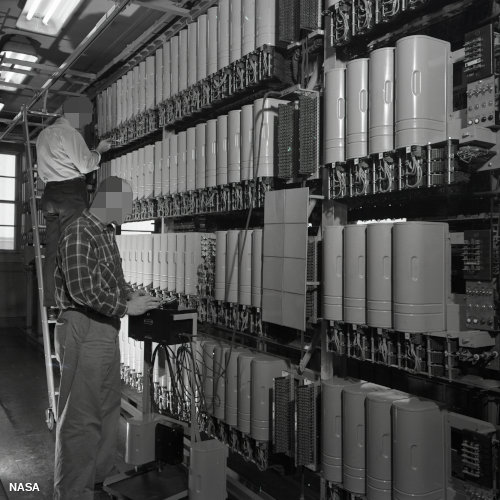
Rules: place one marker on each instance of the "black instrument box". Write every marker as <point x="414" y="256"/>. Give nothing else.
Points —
<point x="165" y="326"/>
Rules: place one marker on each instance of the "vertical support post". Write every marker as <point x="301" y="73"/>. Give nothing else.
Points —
<point x="333" y="213"/>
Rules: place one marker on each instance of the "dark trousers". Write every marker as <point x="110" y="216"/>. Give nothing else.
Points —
<point x="62" y="203"/>
<point x="88" y="409"/>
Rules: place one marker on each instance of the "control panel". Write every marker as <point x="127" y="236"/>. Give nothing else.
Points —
<point x="473" y="462"/>
<point x="477" y="255"/>
<point x="480" y="305"/>
<point x="479" y="60"/>
<point x="472" y="459"/>
<point x="479" y="269"/>
<point x="481" y="102"/>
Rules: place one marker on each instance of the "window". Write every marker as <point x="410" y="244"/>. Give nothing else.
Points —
<point x="7" y="201"/>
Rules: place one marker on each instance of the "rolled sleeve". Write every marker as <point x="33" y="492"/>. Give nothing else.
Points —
<point x="126" y="289"/>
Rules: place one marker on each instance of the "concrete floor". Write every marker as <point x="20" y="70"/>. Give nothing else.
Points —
<point x="26" y="444"/>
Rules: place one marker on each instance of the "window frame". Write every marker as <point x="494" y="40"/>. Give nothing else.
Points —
<point x="16" y="152"/>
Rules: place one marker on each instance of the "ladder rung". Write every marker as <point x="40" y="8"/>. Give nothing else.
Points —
<point x="51" y="320"/>
<point x="53" y="356"/>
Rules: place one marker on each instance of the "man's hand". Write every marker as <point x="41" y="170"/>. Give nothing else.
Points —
<point x="104" y="145"/>
<point x="136" y="293"/>
<point x="141" y="303"/>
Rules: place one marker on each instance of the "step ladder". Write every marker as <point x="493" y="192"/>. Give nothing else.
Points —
<point x="50" y="413"/>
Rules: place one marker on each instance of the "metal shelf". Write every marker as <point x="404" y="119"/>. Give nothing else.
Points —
<point x="229" y="88"/>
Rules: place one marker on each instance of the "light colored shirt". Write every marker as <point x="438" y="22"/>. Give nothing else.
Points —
<point x="62" y="153"/>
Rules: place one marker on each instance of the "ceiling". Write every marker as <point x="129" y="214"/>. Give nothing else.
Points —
<point x="131" y="23"/>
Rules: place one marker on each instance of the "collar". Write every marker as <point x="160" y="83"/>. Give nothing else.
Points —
<point x="97" y="222"/>
<point x="62" y="121"/>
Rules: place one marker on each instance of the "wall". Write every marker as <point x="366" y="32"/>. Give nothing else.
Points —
<point x="12" y="290"/>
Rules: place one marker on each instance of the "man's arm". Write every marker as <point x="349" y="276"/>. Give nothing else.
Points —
<point x="80" y="270"/>
<point x="85" y="160"/>
<point x="126" y="290"/>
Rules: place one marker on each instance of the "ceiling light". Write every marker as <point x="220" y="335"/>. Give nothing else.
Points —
<point x="2" y="105"/>
<point x="46" y="16"/>
<point x="31" y="11"/>
<point x="50" y="11"/>
<point x="19" y="49"/>
<point x="12" y="76"/>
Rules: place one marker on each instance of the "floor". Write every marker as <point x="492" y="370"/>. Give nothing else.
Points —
<point x="26" y="444"/>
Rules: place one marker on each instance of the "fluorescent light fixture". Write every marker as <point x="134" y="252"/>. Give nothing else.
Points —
<point x="7" y="76"/>
<point x="46" y="16"/>
<point x="50" y="11"/>
<point x="31" y="11"/>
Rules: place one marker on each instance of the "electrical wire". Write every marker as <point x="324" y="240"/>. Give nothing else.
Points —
<point x="384" y="351"/>
<point x="414" y="168"/>
<point x="361" y="177"/>
<point x="386" y="178"/>
<point x="414" y="4"/>
<point x="339" y="183"/>
<point x="468" y="154"/>
<point x="390" y="8"/>
<point x="364" y="15"/>
<point x="341" y="25"/>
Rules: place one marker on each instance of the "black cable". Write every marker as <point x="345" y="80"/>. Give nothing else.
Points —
<point x="154" y="407"/>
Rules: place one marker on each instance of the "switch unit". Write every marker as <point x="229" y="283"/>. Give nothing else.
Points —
<point x="481" y="305"/>
<point x="482" y="106"/>
<point x="479" y="61"/>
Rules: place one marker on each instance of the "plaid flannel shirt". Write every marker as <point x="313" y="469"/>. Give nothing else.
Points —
<point x="89" y="271"/>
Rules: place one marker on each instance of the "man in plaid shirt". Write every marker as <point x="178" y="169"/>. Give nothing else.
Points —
<point x="92" y="295"/>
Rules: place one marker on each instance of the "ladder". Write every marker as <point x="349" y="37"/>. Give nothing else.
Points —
<point x="50" y="413"/>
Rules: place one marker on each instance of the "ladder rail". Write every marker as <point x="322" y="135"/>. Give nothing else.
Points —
<point x="39" y="273"/>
